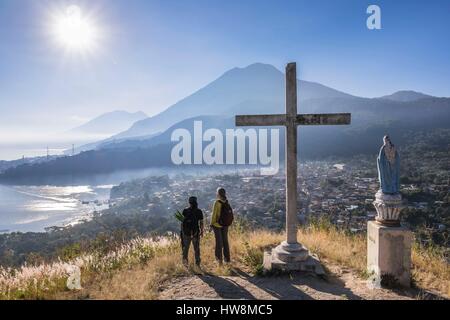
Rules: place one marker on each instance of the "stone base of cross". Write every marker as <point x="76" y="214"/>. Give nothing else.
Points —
<point x="290" y="254"/>
<point x="292" y="257"/>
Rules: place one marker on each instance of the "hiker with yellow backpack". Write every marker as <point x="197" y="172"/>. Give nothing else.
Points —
<point x="221" y="219"/>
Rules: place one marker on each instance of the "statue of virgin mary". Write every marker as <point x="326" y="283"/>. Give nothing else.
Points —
<point x="388" y="168"/>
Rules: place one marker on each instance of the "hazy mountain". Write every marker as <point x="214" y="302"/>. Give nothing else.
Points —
<point x="107" y="143"/>
<point x="371" y="119"/>
<point x="314" y="143"/>
<point x="256" y="82"/>
<point x="5" y="165"/>
<point x="387" y="115"/>
<point x="256" y="89"/>
<point x="110" y="123"/>
<point x="406" y="96"/>
<point x="216" y="122"/>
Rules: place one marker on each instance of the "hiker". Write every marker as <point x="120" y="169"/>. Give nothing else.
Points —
<point x="192" y="230"/>
<point x="222" y="217"/>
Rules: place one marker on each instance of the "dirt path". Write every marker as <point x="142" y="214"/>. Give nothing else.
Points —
<point x="342" y="284"/>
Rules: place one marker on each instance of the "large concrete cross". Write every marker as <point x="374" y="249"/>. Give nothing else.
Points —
<point x="291" y="120"/>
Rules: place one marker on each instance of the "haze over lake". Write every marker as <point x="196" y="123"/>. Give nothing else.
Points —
<point x="33" y="208"/>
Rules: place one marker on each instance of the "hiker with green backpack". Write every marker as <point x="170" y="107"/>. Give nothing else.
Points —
<point x="221" y="220"/>
<point x="191" y="230"/>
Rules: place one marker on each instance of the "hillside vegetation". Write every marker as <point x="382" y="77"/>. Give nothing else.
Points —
<point x="138" y="268"/>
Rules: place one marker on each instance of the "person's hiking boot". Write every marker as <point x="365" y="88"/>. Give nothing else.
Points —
<point x="197" y="270"/>
<point x="185" y="263"/>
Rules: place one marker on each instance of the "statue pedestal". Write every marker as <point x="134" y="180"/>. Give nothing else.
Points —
<point x="291" y="257"/>
<point x="388" y="244"/>
<point x="389" y="207"/>
<point x="388" y="254"/>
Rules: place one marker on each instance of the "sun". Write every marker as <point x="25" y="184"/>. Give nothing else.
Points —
<point x="74" y="31"/>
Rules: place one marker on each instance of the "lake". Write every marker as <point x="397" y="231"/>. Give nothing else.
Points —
<point x="33" y="208"/>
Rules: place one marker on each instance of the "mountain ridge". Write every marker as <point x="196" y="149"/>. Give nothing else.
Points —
<point x="371" y="119"/>
<point x="406" y="96"/>
<point x="256" y="81"/>
<point x="269" y="88"/>
<point x="109" y="122"/>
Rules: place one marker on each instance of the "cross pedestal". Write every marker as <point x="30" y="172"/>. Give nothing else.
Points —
<point x="290" y="254"/>
<point x="292" y="257"/>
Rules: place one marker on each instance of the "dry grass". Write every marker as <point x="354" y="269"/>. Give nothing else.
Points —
<point x="431" y="271"/>
<point x="47" y="281"/>
<point x="335" y="246"/>
<point x="144" y="281"/>
<point x="140" y="270"/>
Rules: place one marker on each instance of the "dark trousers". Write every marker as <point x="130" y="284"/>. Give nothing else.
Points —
<point x="186" y="243"/>
<point x="222" y="246"/>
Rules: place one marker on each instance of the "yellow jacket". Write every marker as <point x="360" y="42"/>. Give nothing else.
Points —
<point x="217" y="207"/>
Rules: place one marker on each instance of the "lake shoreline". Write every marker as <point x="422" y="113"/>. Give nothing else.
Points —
<point x="38" y="208"/>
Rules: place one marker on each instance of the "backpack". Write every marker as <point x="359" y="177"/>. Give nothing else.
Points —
<point x="226" y="215"/>
<point x="190" y="222"/>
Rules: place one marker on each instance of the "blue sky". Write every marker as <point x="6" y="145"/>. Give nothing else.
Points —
<point x="153" y="53"/>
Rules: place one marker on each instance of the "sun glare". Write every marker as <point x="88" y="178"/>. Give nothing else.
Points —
<point x="74" y="31"/>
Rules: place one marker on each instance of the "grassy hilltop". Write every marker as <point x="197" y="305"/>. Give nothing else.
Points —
<point x="139" y="268"/>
